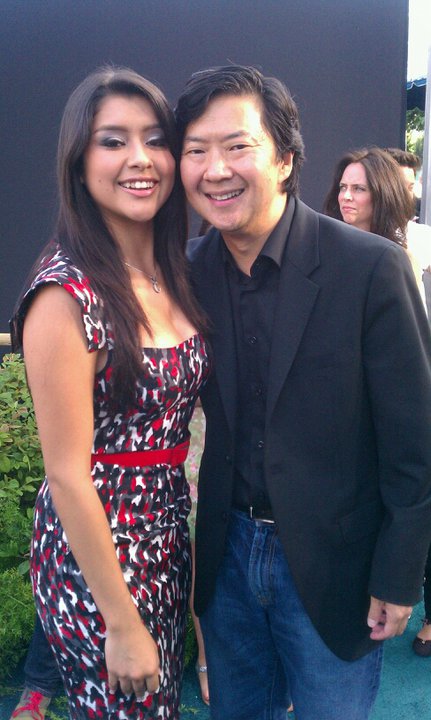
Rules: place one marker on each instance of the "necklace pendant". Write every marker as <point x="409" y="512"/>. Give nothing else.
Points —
<point x="155" y="284"/>
<point x="153" y="278"/>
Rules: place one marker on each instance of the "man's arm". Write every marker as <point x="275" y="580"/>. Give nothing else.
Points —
<point x="397" y="352"/>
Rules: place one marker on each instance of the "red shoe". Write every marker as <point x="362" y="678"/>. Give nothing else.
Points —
<point x="32" y="706"/>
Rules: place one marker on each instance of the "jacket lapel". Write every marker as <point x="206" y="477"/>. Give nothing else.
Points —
<point x="296" y="297"/>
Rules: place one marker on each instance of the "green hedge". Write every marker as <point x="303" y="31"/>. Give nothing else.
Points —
<point x="16" y="620"/>
<point x="21" y="470"/>
<point x="21" y="464"/>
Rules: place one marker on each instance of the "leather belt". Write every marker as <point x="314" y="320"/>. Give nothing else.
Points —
<point x="255" y="513"/>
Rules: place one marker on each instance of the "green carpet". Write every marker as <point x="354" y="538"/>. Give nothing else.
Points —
<point x="405" y="692"/>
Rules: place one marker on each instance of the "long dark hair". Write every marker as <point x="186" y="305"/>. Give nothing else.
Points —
<point x="392" y="204"/>
<point x="85" y="238"/>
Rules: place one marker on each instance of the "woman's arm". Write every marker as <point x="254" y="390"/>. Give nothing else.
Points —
<point x="61" y="373"/>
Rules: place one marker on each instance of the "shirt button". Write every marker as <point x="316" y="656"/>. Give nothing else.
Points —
<point x="228" y="459"/>
<point x="260" y="444"/>
<point x="252" y="340"/>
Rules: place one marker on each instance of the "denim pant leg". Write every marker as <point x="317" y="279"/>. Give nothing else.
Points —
<point x="245" y="675"/>
<point x="260" y="641"/>
<point x="322" y="685"/>
<point x="40" y="669"/>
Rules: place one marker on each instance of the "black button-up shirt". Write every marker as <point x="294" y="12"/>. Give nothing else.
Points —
<point x="253" y="301"/>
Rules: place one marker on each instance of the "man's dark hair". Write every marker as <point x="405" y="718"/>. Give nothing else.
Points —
<point x="405" y="158"/>
<point x="279" y="112"/>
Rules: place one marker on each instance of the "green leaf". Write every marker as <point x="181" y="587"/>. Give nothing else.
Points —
<point x="5" y="464"/>
<point x="24" y="567"/>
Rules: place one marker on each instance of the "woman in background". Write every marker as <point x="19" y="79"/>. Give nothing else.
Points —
<point x="369" y="193"/>
<point x="114" y="358"/>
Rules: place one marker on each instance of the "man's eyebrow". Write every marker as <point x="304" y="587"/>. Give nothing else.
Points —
<point x="230" y="136"/>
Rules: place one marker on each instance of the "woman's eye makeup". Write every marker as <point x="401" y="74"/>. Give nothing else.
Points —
<point x="114" y="141"/>
<point x="353" y="188"/>
<point x="157" y="141"/>
<point x="111" y="141"/>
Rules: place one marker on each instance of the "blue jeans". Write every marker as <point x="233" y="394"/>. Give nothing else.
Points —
<point x="262" y="648"/>
<point x="40" y="669"/>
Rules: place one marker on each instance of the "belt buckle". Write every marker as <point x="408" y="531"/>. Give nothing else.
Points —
<point x="252" y="516"/>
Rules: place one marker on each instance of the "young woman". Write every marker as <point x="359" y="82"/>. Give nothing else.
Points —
<point x="114" y="357"/>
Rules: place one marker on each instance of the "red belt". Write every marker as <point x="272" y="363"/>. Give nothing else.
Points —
<point x="169" y="456"/>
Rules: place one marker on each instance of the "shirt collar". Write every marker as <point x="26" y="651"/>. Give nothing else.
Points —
<point x="277" y="240"/>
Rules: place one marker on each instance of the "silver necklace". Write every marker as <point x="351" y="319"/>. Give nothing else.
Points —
<point x="153" y="278"/>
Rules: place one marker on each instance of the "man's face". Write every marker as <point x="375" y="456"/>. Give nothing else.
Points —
<point x="230" y="169"/>
<point x="409" y="177"/>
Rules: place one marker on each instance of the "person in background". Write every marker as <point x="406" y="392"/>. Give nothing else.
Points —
<point x="115" y="357"/>
<point x="422" y="642"/>
<point x="369" y="192"/>
<point x="418" y="234"/>
<point x="419" y="242"/>
<point x="197" y="430"/>
<point x="42" y="678"/>
<point x="409" y="164"/>
<point x="314" y="508"/>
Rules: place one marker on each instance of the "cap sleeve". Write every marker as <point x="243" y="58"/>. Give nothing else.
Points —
<point x="58" y="269"/>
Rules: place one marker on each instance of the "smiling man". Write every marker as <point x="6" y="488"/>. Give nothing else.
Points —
<point x="314" y="513"/>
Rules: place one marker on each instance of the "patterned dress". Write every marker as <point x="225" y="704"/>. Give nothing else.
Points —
<point x="146" y="507"/>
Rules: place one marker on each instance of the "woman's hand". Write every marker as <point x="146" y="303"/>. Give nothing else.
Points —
<point x="132" y="659"/>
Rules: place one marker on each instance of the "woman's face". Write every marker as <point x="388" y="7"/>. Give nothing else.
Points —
<point x="354" y="197"/>
<point x="128" y="167"/>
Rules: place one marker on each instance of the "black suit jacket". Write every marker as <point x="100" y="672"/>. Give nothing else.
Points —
<point x="348" y="425"/>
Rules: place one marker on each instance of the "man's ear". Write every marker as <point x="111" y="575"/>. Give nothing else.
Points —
<point x="286" y="166"/>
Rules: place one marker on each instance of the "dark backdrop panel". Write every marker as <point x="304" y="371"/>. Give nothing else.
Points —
<point x="344" y="61"/>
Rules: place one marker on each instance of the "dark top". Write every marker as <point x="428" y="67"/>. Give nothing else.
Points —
<point x="253" y="300"/>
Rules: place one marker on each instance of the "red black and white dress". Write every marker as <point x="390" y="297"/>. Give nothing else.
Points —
<point x="146" y="507"/>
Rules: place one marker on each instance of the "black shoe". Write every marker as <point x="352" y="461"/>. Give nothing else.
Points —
<point x="422" y="647"/>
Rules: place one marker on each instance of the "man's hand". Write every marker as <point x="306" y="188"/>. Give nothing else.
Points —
<point x="387" y="619"/>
